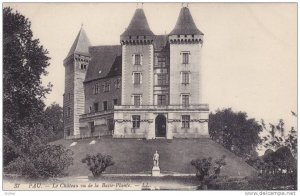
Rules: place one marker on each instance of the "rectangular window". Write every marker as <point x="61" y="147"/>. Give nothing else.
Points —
<point x="185" y="58"/>
<point x="161" y="100"/>
<point x="96" y="107"/>
<point x="137" y="100"/>
<point x="118" y="83"/>
<point x="96" y="88"/>
<point x="161" y="61"/>
<point x="115" y="102"/>
<point x="136" y="78"/>
<point x="92" y="126"/>
<point x="110" y="124"/>
<point x="185" y="100"/>
<point x="105" y="105"/>
<point x="156" y="60"/>
<point x="106" y="87"/>
<point x="161" y="79"/>
<point x="185" y="121"/>
<point x="185" y="78"/>
<point x="136" y="119"/>
<point x="137" y="59"/>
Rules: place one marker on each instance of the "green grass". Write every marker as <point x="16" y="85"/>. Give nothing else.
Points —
<point x="135" y="156"/>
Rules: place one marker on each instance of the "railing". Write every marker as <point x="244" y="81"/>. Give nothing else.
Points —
<point x="164" y="107"/>
<point x="89" y="135"/>
<point x="73" y="137"/>
<point x="93" y="114"/>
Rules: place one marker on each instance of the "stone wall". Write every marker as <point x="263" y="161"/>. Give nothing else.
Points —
<point x="68" y="99"/>
<point x="101" y="123"/>
<point x="123" y="125"/>
<point x="198" y="124"/>
<point x="91" y="97"/>
<point x="124" y="128"/>
<point x="194" y="67"/>
<point x="74" y="92"/>
<point x="146" y="68"/>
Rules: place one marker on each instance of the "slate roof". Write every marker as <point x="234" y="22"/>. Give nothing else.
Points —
<point x="138" y="25"/>
<point x="160" y="41"/>
<point x="185" y="24"/>
<point x="106" y="61"/>
<point x="81" y="44"/>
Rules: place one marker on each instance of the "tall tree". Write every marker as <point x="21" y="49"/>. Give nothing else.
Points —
<point x="235" y="131"/>
<point x="24" y="63"/>
<point x="53" y="120"/>
<point x="25" y="132"/>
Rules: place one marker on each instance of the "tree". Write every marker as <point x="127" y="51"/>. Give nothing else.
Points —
<point x="280" y="157"/>
<point x="235" y="131"/>
<point x="207" y="172"/>
<point x="43" y="162"/>
<point x="98" y="163"/>
<point x="24" y="119"/>
<point x="53" y="120"/>
<point x="24" y="63"/>
<point x="274" y="137"/>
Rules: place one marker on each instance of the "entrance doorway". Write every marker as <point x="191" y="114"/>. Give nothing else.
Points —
<point x="160" y="126"/>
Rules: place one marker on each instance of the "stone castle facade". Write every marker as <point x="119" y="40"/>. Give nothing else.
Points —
<point x="148" y="87"/>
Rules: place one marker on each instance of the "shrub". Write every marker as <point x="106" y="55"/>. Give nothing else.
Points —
<point x="98" y="163"/>
<point x="207" y="171"/>
<point x="44" y="161"/>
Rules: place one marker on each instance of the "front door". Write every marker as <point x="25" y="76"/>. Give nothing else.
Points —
<point x="160" y="126"/>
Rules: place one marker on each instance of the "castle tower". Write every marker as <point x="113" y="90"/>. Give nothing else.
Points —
<point x="185" y="61"/>
<point x="75" y="64"/>
<point x="137" y="61"/>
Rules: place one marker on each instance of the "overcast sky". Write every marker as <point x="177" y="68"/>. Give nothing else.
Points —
<point x="249" y="51"/>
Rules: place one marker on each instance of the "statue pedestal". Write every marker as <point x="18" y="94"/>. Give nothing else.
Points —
<point x="155" y="171"/>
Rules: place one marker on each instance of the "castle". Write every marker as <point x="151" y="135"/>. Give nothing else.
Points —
<point x="148" y="87"/>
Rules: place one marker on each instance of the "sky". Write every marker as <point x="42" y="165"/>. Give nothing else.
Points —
<point x="249" y="52"/>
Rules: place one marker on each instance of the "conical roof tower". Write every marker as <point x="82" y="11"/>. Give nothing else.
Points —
<point x="81" y="44"/>
<point x="185" y="24"/>
<point x="138" y="28"/>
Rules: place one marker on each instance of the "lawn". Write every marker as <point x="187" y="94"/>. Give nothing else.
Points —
<point x="133" y="156"/>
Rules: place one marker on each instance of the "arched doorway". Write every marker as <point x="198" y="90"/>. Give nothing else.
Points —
<point x="160" y="126"/>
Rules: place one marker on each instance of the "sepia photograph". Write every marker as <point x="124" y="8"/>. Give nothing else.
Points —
<point x="148" y="96"/>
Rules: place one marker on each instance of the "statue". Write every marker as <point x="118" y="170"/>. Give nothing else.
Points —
<point x="156" y="159"/>
<point x="155" y="169"/>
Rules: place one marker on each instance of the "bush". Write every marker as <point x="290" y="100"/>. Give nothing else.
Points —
<point x="207" y="172"/>
<point x="44" y="161"/>
<point x="98" y="163"/>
